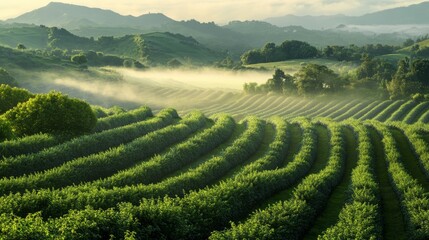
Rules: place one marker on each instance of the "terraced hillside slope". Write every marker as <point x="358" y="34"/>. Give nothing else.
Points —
<point x="141" y="175"/>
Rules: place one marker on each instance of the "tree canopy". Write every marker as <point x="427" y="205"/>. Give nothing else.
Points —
<point x="285" y="51"/>
<point x="51" y="113"/>
<point x="11" y="96"/>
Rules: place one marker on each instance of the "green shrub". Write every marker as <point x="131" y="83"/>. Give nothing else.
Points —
<point x="51" y="113"/>
<point x="10" y="97"/>
<point x="5" y="130"/>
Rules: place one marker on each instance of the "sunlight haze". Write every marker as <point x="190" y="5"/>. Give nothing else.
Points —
<point x="217" y="11"/>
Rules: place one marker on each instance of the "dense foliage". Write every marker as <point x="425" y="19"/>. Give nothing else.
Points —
<point x="10" y="97"/>
<point x="211" y="178"/>
<point x="49" y="113"/>
<point x="272" y="53"/>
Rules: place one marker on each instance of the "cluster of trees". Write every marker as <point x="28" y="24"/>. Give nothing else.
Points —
<point x="310" y="79"/>
<point x="300" y="50"/>
<point x="409" y="78"/>
<point x="355" y="53"/>
<point x="87" y="58"/>
<point x="410" y="42"/>
<point x="285" y="51"/>
<point x="23" y="113"/>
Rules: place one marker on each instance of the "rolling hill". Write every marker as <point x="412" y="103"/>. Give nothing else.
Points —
<point x="410" y="15"/>
<point x="235" y="37"/>
<point x="57" y="14"/>
<point x="153" y="48"/>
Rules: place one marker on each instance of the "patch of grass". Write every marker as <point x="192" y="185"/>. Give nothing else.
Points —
<point x="292" y="66"/>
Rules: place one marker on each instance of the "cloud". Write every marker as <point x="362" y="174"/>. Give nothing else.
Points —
<point x="220" y="11"/>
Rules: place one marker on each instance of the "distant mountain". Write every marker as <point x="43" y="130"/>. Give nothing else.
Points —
<point x="260" y="33"/>
<point x="67" y="15"/>
<point x="95" y="22"/>
<point x="233" y="38"/>
<point x="413" y="14"/>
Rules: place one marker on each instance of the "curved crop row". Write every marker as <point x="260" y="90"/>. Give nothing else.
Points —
<point x="277" y="148"/>
<point x="414" y="202"/>
<point x="360" y="218"/>
<point x="30" y="144"/>
<point x="195" y="215"/>
<point x="35" y="143"/>
<point x="178" y="156"/>
<point x="402" y="111"/>
<point x="58" y="202"/>
<point x="420" y="146"/>
<point x="289" y="219"/>
<point x="123" y="119"/>
<point x="416" y="112"/>
<point x="106" y="163"/>
<point x="83" y="146"/>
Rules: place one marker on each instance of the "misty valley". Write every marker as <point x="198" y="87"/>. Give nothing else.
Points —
<point x="284" y="126"/>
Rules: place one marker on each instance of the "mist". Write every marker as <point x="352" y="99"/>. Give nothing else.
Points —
<point x="203" y="78"/>
<point x="156" y="88"/>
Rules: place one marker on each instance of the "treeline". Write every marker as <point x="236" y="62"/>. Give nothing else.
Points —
<point x="285" y="51"/>
<point x="301" y="50"/>
<point x="86" y="58"/>
<point x="374" y="76"/>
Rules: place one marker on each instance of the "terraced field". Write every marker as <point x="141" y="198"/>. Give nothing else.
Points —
<point x="352" y="169"/>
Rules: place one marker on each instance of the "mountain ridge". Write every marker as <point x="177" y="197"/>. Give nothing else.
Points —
<point x="412" y="14"/>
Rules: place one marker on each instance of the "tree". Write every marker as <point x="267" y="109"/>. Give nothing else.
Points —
<point x="10" y="97"/>
<point x="408" y="42"/>
<point x="275" y="84"/>
<point x="79" y="59"/>
<point x="51" y="113"/>
<point x="251" y="57"/>
<point x="21" y="46"/>
<point x="313" y="78"/>
<point x="420" y="71"/>
<point x="6" y="78"/>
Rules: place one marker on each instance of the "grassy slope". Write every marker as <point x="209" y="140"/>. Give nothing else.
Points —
<point x="403" y="53"/>
<point x="292" y="66"/>
<point x="31" y="37"/>
<point x="160" y="47"/>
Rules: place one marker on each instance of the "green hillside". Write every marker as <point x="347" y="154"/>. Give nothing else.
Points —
<point x="17" y="59"/>
<point x="159" y="48"/>
<point x="408" y="50"/>
<point x="154" y="48"/>
<point x="30" y="36"/>
<point x="292" y="66"/>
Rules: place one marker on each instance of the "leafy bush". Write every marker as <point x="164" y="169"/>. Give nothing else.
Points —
<point x="51" y="113"/>
<point x="5" y="130"/>
<point x="10" y="97"/>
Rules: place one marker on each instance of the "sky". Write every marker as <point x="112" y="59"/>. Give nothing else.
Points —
<point x="219" y="11"/>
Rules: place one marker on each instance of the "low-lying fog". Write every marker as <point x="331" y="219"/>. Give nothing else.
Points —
<point x="409" y="30"/>
<point x="195" y="78"/>
<point x="157" y="88"/>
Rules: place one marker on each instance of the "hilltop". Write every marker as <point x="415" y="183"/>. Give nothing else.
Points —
<point x="151" y="47"/>
<point x="413" y="14"/>
<point x="235" y="37"/>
